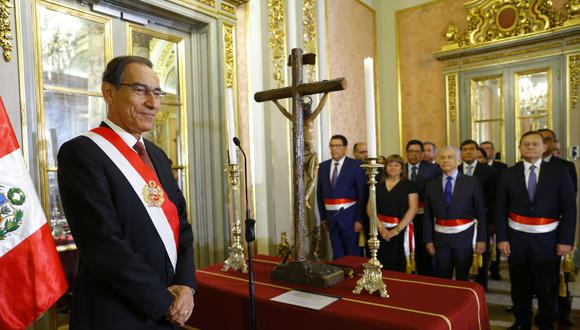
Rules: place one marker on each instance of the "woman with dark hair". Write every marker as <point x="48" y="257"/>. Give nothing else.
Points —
<point x="397" y="203"/>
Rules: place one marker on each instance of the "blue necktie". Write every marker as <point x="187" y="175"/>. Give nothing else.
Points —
<point x="447" y="191"/>
<point x="532" y="182"/>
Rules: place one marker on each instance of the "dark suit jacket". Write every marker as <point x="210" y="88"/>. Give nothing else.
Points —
<point x="554" y="198"/>
<point x="467" y="202"/>
<point x="427" y="172"/>
<point x="124" y="270"/>
<point x="498" y="167"/>
<point x="485" y="174"/>
<point x="571" y="170"/>
<point x="351" y="183"/>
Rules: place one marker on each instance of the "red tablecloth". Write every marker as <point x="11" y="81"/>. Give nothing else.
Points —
<point x="415" y="302"/>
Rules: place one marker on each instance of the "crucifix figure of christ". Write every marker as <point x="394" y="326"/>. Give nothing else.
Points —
<point x="300" y="119"/>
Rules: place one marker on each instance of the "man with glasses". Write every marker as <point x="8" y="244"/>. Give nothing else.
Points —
<point x="126" y="212"/>
<point x="420" y="172"/>
<point x="342" y="198"/>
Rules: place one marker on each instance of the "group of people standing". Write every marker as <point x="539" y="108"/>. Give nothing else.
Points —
<point x="444" y="212"/>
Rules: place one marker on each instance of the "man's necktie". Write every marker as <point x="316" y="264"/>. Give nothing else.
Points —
<point x="532" y="182"/>
<point x="447" y="191"/>
<point x="334" y="175"/>
<point x="470" y="170"/>
<point x="414" y="173"/>
<point x="140" y="148"/>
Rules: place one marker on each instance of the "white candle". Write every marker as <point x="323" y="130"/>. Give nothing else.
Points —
<point x="231" y="126"/>
<point x="370" y="107"/>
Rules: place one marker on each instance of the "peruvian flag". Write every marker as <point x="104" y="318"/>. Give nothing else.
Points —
<point x="31" y="275"/>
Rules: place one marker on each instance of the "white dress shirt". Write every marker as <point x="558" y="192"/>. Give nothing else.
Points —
<point x="466" y="166"/>
<point x="127" y="137"/>
<point x="410" y="169"/>
<point x="454" y="176"/>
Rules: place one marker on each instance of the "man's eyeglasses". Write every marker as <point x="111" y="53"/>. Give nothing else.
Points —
<point x="144" y="90"/>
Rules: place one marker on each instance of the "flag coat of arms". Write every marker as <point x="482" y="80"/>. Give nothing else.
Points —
<point x="31" y="274"/>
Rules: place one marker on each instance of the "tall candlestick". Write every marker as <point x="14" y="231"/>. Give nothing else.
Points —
<point x="231" y="126"/>
<point x="370" y="107"/>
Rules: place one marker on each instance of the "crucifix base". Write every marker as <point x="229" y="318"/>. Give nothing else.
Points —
<point x="307" y="272"/>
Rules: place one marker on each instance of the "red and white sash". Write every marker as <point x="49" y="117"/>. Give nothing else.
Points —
<point x="531" y="224"/>
<point x="335" y="204"/>
<point x="409" y="240"/>
<point x="146" y="185"/>
<point x="388" y="222"/>
<point x="454" y="226"/>
<point x="409" y="244"/>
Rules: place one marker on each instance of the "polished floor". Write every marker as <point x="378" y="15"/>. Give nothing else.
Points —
<point x="498" y="297"/>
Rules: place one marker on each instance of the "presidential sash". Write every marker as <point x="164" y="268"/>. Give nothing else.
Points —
<point x="533" y="225"/>
<point x="146" y="185"/>
<point x="452" y="226"/>
<point x="335" y="204"/>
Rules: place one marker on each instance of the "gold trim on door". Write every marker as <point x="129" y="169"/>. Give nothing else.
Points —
<point x="501" y="119"/>
<point x="183" y="160"/>
<point x="518" y="117"/>
<point x="41" y="87"/>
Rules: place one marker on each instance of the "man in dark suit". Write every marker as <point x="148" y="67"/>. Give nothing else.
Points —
<point x="341" y="196"/>
<point x="485" y="174"/>
<point x="420" y="172"/>
<point x="498" y="168"/>
<point x="429" y="152"/>
<point x="127" y="215"/>
<point x="489" y="148"/>
<point x="565" y="303"/>
<point x="454" y="209"/>
<point x="536" y="220"/>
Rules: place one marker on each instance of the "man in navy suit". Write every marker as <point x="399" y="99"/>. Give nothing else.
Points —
<point x="498" y="168"/>
<point x="420" y="173"/>
<point x="126" y="212"/>
<point x="564" y="303"/>
<point x="341" y="195"/>
<point x="536" y="220"/>
<point x="485" y="174"/>
<point x="454" y="210"/>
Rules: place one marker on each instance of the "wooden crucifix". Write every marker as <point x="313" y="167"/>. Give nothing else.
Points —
<point x="299" y="117"/>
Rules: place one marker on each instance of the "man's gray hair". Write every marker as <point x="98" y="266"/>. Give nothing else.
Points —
<point x="449" y="148"/>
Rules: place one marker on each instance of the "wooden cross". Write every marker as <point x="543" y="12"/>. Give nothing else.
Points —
<point x="298" y="117"/>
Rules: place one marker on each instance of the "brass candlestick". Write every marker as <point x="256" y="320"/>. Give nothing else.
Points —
<point x="372" y="279"/>
<point x="236" y="259"/>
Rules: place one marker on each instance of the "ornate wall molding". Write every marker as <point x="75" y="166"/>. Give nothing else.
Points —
<point x="277" y="41"/>
<point x="229" y="56"/>
<point x="490" y="21"/>
<point x="574" y="78"/>
<point x="228" y="8"/>
<point x="452" y="101"/>
<point x="210" y="3"/>
<point x="5" y="29"/>
<point x="309" y="15"/>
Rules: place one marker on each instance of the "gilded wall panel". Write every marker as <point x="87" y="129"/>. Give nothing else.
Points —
<point x="351" y="38"/>
<point x="422" y="89"/>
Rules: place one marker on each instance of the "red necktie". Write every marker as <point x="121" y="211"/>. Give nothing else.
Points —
<point x="140" y="148"/>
